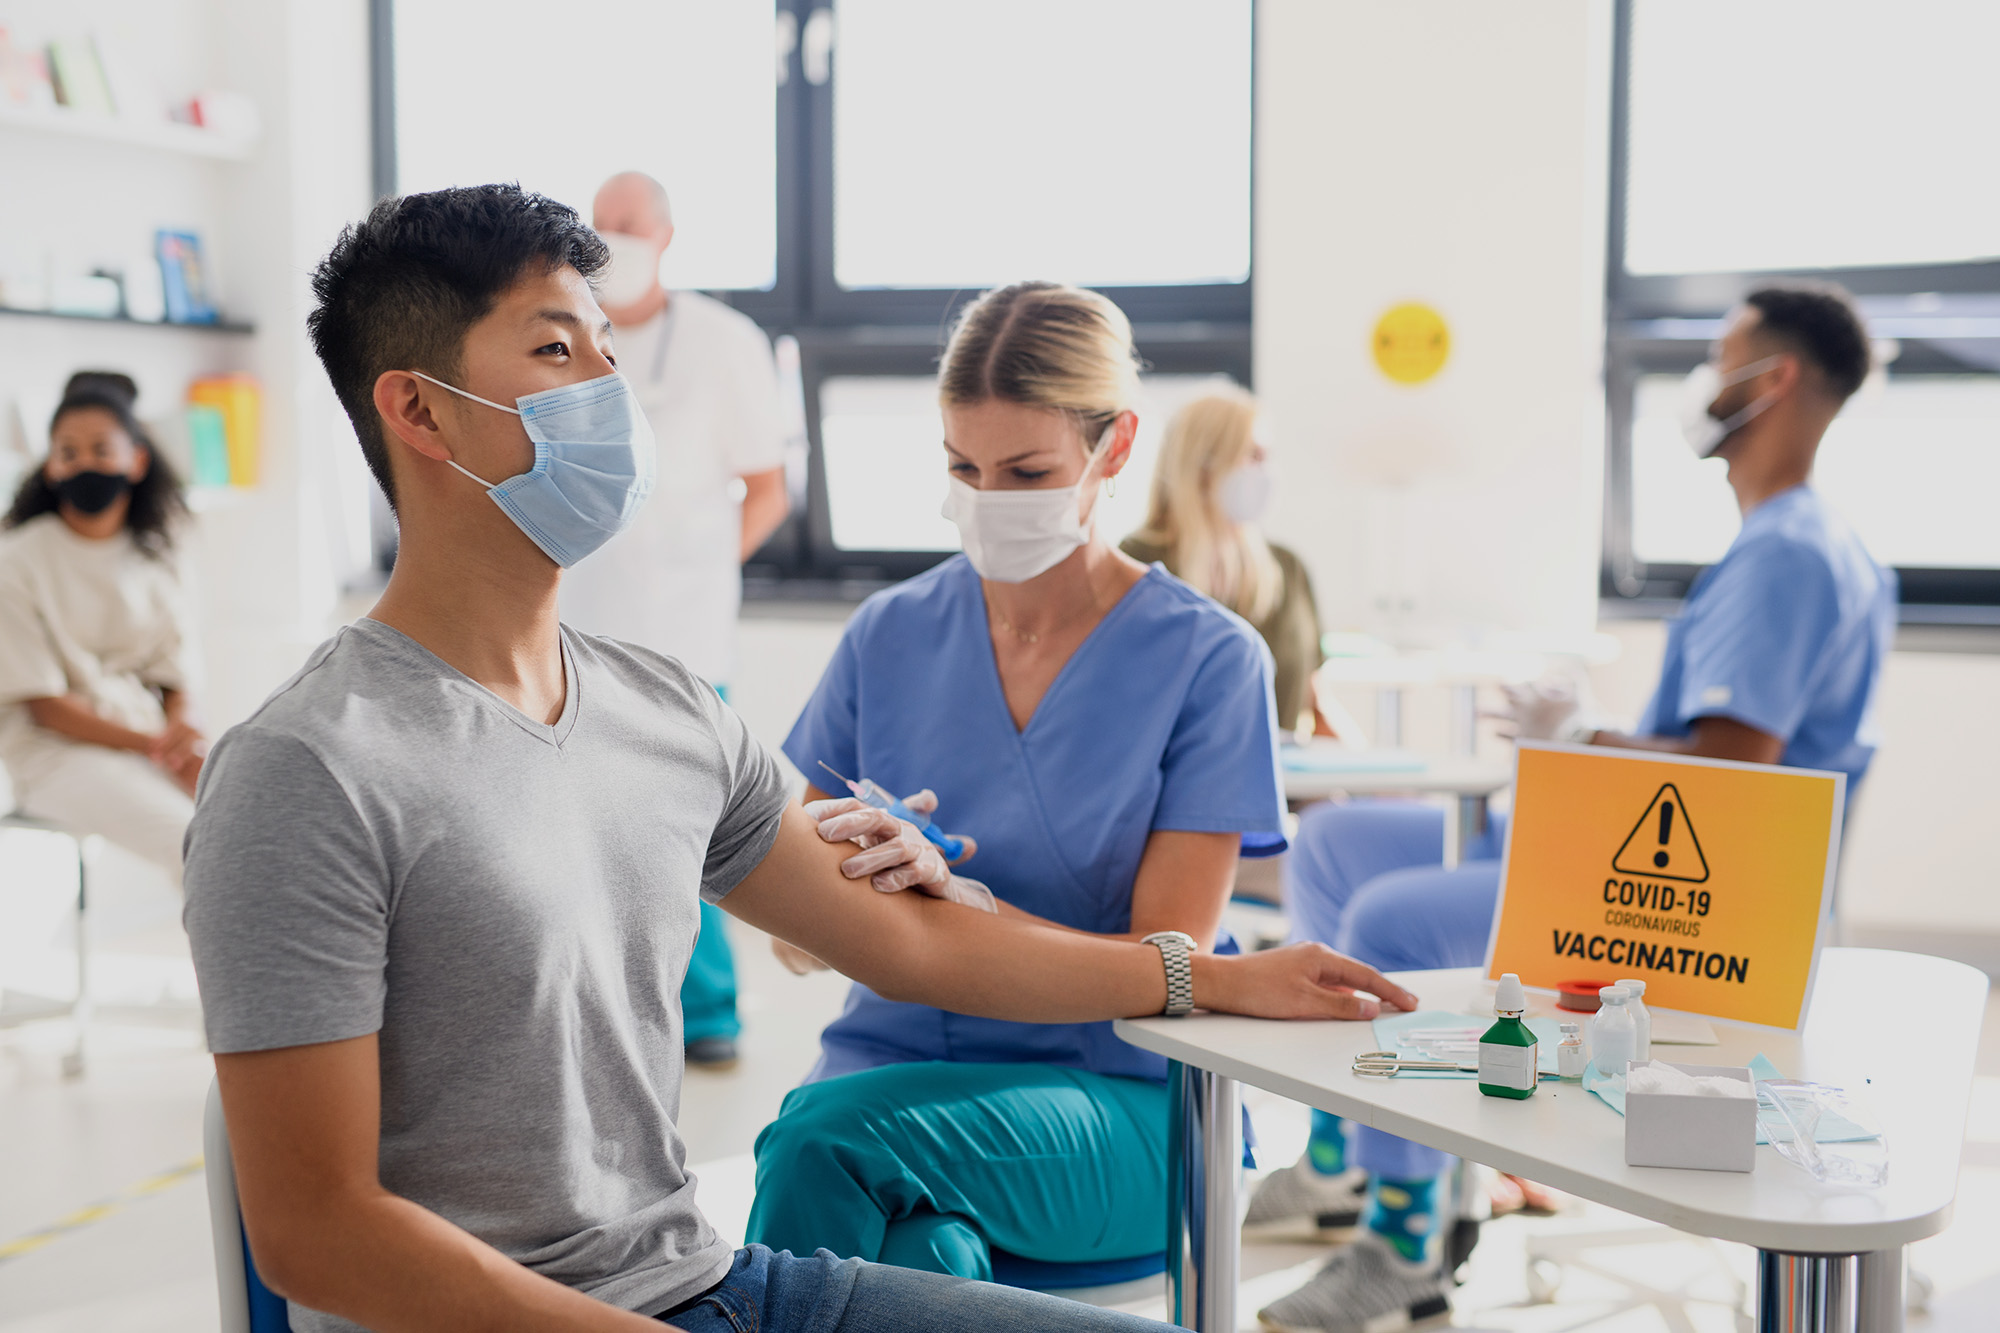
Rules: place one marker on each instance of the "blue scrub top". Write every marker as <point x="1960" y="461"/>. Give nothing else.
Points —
<point x="1162" y="719"/>
<point x="1787" y="633"/>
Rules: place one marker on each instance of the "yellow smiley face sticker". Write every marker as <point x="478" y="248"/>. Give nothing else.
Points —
<point x="1411" y="342"/>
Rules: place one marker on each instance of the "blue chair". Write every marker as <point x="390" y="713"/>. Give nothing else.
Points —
<point x="248" y="1306"/>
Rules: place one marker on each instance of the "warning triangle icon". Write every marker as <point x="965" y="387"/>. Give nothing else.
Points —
<point x="1662" y="845"/>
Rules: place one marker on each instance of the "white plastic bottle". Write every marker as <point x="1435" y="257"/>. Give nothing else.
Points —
<point x="1642" y="1017"/>
<point x="1613" y="1034"/>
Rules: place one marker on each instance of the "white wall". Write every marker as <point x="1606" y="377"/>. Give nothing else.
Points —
<point x="264" y="580"/>
<point x="1450" y="152"/>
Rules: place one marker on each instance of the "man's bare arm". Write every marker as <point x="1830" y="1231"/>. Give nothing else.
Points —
<point x="907" y="946"/>
<point x="1711" y="738"/>
<point x="304" y="1131"/>
<point x="765" y="505"/>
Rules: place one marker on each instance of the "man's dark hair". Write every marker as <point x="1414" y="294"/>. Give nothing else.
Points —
<point x="1820" y="324"/>
<point x="157" y="504"/>
<point x="399" y="290"/>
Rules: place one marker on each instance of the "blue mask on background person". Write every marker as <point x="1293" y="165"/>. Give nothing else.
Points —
<point x="594" y="463"/>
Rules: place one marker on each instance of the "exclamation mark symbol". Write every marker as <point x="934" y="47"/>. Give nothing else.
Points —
<point x="1666" y="833"/>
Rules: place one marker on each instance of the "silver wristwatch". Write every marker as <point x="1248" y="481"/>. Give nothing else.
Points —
<point x="1177" y="953"/>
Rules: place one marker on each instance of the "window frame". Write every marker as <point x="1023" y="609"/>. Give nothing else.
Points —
<point x="1663" y="324"/>
<point x="1191" y="328"/>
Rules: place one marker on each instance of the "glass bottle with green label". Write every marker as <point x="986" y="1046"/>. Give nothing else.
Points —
<point x="1508" y="1051"/>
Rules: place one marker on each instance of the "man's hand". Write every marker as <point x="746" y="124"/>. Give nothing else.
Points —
<point x="1296" y="981"/>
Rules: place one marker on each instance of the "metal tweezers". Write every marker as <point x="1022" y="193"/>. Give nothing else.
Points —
<point x="1388" y="1064"/>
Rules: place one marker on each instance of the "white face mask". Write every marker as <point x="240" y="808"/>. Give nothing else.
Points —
<point x="632" y="274"/>
<point x="1011" y="536"/>
<point x="1245" y="494"/>
<point x="1703" y="431"/>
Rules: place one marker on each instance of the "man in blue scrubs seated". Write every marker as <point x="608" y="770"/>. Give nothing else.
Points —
<point x="1774" y="659"/>
<point x="1106" y="734"/>
<point x="442" y="886"/>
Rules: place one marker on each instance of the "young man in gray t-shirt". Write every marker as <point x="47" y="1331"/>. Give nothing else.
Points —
<point x="442" y="887"/>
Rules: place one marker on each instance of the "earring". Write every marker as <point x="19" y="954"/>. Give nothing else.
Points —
<point x="1111" y="487"/>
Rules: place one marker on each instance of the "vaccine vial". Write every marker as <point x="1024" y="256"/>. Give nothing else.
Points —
<point x="1614" y="1037"/>
<point x="1508" y="1050"/>
<point x="1570" y="1058"/>
<point x="1642" y="1018"/>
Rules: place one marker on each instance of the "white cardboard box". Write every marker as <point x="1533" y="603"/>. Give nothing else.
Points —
<point x="1698" y="1133"/>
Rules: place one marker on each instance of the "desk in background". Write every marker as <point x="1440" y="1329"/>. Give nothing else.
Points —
<point x="1320" y="770"/>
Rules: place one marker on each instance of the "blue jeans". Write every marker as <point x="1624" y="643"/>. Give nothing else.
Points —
<point x="783" y="1293"/>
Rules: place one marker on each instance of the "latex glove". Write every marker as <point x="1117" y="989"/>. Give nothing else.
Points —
<point x="894" y="856"/>
<point x="1547" y="710"/>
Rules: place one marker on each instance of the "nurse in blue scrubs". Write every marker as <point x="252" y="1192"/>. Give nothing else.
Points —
<point x="1107" y="736"/>
<point x="1775" y="659"/>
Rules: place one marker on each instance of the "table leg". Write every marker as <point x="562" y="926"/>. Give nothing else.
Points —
<point x="1879" y="1299"/>
<point x="1808" y="1293"/>
<point x="1202" y="1222"/>
<point x="1389" y="716"/>
<point x="1465" y="720"/>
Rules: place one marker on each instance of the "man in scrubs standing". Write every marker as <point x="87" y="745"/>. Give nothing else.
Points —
<point x="672" y="581"/>
<point x="1774" y="659"/>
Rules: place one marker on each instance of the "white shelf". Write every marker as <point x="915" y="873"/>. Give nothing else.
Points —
<point x="163" y="134"/>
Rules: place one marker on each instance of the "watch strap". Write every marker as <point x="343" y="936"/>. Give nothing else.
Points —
<point x="1177" y="955"/>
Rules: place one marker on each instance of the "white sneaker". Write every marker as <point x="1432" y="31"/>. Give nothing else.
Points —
<point x="1365" y="1288"/>
<point x="1302" y="1201"/>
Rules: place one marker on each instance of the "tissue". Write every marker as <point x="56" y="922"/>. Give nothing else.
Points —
<point x="1660" y="1078"/>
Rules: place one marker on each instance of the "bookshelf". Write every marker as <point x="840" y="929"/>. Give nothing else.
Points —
<point x="166" y="135"/>
<point x="220" y="326"/>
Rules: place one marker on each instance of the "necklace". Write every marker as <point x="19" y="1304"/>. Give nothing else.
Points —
<point x="1026" y="637"/>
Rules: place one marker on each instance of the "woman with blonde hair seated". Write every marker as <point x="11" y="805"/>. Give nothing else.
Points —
<point x="1105" y="733"/>
<point x="1210" y="490"/>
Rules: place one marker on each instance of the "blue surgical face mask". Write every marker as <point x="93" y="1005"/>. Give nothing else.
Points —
<point x="594" y="462"/>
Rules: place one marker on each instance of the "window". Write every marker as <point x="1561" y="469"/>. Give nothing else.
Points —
<point x="1748" y="146"/>
<point x="885" y="479"/>
<point x="1141" y="173"/>
<point x="849" y="172"/>
<point x="1763" y="140"/>
<point x="559" y="98"/>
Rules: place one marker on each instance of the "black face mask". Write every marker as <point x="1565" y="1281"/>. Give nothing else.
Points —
<point x="91" y="492"/>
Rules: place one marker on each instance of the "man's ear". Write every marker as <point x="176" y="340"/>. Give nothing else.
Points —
<point x="402" y="401"/>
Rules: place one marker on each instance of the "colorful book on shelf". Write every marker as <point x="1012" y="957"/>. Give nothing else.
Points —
<point x="208" y="445"/>
<point x="181" y="274"/>
<point x="240" y="403"/>
<point x="24" y="74"/>
<point x="79" y="78"/>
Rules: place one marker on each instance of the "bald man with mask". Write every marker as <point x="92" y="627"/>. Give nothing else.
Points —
<point x="672" y="581"/>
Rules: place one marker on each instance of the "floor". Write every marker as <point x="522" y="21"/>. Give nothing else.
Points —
<point x="103" y="1216"/>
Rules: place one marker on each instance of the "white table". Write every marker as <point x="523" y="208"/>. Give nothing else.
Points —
<point x="1469" y="783"/>
<point x="1901" y="1030"/>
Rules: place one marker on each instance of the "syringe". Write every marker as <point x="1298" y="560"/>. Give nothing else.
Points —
<point x="868" y="792"/>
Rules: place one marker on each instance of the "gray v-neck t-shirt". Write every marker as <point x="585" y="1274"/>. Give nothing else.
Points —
<point x="388" y="847"/>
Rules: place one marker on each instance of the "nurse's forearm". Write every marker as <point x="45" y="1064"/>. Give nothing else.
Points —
<point x="1711" y="738"/>
<point x="765" y="505"/>
<point x="71" y="715"/>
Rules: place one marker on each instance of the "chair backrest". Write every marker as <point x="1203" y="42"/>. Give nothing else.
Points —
<point x="248" y="1306"/>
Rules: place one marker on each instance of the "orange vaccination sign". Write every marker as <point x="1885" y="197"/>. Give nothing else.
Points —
<point x="1709" y="879"/>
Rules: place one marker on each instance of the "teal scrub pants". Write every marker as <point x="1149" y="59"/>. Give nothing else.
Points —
<point x="933" y="1165"/>
<point x="708" y="991"/>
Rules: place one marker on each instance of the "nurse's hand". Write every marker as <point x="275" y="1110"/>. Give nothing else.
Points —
<point x="893" y="855"/>
<point x="1296" y="981"/>
<point x="796" y="960"/>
